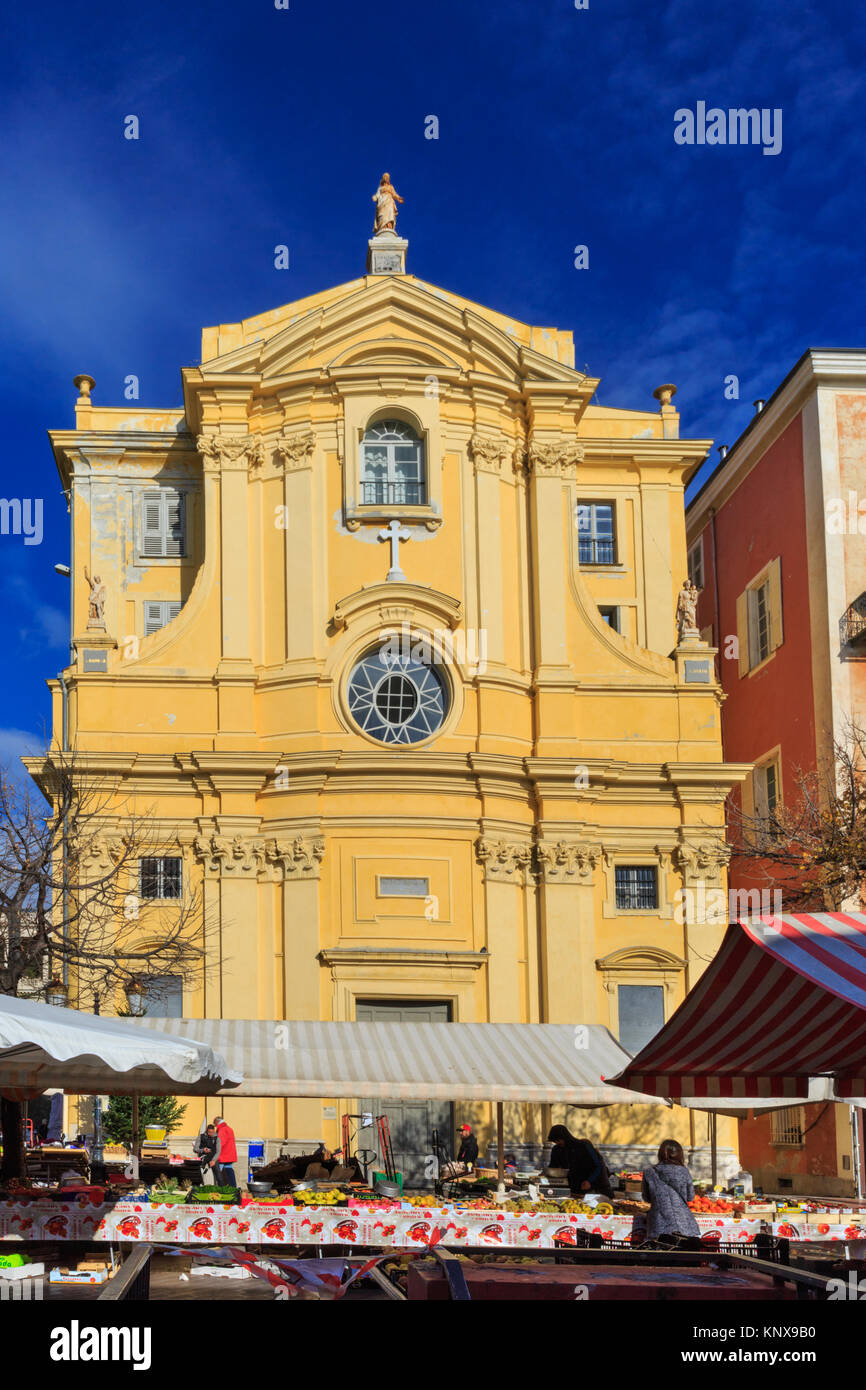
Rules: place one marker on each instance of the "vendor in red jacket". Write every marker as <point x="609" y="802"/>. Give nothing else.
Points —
<point x="228" y="1153"/>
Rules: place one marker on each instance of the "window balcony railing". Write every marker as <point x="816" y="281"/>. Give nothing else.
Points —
<point x="382" y="494"/>
<point x="594" y="552"/>
<point x="852" y="625"/>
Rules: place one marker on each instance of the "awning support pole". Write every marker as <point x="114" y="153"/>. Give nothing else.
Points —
<point x="714" y="1152"/>
<point x="500" y="1142"/>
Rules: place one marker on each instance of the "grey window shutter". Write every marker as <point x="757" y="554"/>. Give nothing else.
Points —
<point x="171" y="611"/>
<point x="175" y="528"/>
<point x="152" y="530"/>
<point x="153" y="617"/>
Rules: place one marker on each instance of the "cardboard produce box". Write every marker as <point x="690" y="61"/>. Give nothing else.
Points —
<point x="58" y="1276"/>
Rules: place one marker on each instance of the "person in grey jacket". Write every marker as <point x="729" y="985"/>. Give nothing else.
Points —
<point x="668" y="1188"/>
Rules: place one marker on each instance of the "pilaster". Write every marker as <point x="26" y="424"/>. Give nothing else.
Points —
<point x="567" y="871"/>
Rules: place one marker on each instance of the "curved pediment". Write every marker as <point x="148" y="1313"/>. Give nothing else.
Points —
<point x="397" y="602"/>
<point x="641" y="958"/>
<point x="393" y="352"/>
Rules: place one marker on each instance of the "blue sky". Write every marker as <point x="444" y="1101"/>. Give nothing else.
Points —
<point x="261" y="126"/>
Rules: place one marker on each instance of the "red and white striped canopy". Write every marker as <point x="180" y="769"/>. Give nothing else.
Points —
<point x="784" y="1000"/>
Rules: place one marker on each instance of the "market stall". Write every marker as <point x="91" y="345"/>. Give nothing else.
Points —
<point x="44" y="1046"/>
<point x="783" y="1001"/>
<point x="373" y="1223"/>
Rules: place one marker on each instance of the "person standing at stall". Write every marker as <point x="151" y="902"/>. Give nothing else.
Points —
<point x="207" y="1146"/>
<point x="468" y="1151"/>
<point x="668" y="1188"/>
<point x="228" y="1154"/>
<point x="587" y="1170"/>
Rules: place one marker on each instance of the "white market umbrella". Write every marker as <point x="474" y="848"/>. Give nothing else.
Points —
<point x="42" y="1046"/>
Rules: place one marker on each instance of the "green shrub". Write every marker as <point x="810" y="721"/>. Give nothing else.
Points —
<point x="152" y="1110"/>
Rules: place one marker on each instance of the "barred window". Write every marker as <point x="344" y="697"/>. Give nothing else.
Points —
<point x="788" y="1126"/>
<point x="160" y="878"/>
<point x="636" y="887"/>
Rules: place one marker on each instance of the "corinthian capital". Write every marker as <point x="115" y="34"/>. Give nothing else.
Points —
<point x="504" y="861"/>
<point x="567" y="862"/>
<point x="230" y="451"/>
<point x="490" y="454"/>
<point x="298" y="858"/>
<point x="231" y="855"/>
<point x="555" y="460"/>
<point x="704" y="859"/>
<point x="296" y="450"/>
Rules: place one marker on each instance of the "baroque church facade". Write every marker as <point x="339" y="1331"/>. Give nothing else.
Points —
<point x="386" y="652"/>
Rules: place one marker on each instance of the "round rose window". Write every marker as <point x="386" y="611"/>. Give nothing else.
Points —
<point x="396" y="698"/>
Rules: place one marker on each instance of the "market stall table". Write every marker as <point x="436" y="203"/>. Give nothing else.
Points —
<point x="369" y="1225"/>
<point x="593" y="1284"/>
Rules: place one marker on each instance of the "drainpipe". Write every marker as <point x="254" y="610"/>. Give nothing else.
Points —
<point x="64" y="734"/>
<point x="716" y="592"/>
<point x="857" y="1155"/>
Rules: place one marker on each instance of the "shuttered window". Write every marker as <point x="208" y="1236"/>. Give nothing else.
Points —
<point x="163" y="523"/>
<point x="759" y="618"/>
<point x="158" y="612"/>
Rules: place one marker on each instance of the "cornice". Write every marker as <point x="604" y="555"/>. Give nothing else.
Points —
<point x="400" y="955"/>
<point x="818" y="367"/>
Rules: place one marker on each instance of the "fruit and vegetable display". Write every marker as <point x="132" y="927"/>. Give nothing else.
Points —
<point x="307" y="1197"/>
<point x="716" y="1206"/>
<point x="214" y="1194"/>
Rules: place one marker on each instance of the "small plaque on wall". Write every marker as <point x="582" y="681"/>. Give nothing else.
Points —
<point x="329" y="1112"/>
<point x="95" y="659"/>
<point x="697" y="672"/>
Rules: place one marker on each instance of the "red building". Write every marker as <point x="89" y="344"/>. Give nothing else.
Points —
<point x="776" y="547"/>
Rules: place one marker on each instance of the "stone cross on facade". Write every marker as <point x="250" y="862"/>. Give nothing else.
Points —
<point x="395" y="534"/>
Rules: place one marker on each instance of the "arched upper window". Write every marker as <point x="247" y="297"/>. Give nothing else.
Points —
<point x="393" y="469"/>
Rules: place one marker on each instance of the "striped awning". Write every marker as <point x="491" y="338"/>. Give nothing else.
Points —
<point x="542" y="1062"/>
<point x="783" y="1001"/>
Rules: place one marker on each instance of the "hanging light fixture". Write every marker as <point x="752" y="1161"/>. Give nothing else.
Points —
<point x="136" y="997"/>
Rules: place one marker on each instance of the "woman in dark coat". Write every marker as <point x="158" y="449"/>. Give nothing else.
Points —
<point x="586" y="1167"/>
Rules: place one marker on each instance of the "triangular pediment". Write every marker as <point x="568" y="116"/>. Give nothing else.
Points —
<point x="390" y="320"/>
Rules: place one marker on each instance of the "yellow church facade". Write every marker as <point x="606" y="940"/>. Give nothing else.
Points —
<point x="385" y="651"/>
